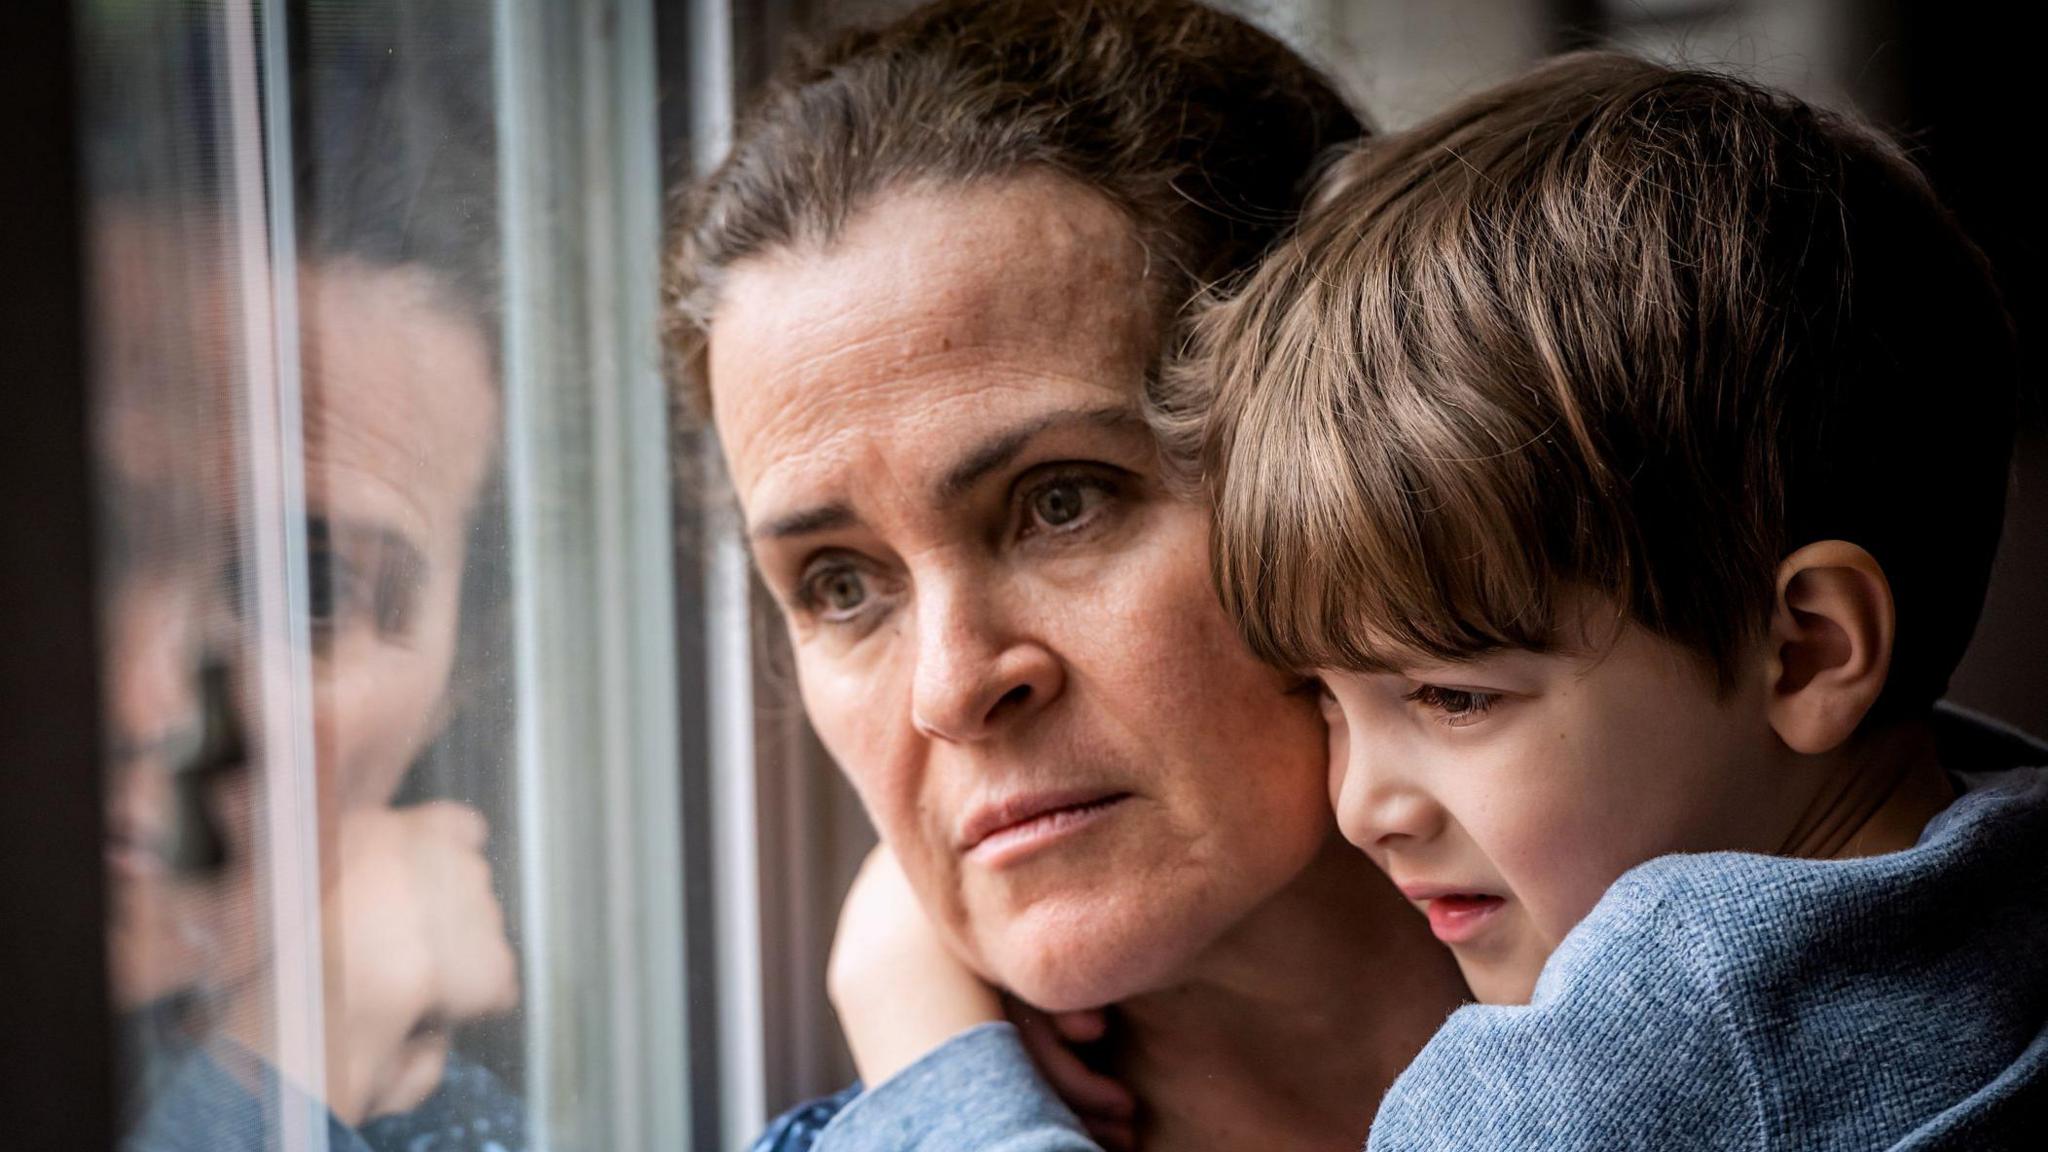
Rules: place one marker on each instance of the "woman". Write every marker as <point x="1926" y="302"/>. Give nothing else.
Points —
<point x="920" y="302"/>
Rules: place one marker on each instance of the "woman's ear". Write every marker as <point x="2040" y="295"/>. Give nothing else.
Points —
<point x="1830" y="640"/>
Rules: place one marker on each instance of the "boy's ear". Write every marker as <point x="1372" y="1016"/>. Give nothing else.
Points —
<point x="1830" y="644"/>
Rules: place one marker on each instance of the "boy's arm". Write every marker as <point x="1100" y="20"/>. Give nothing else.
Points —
<point x="898" y="990"/>
<point x="948" y="1074"/>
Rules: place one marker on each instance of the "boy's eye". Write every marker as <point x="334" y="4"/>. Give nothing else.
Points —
<point x="1455" y="707"/>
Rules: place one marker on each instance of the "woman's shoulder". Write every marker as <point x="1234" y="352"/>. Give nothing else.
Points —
<point x="797" y="1129"/>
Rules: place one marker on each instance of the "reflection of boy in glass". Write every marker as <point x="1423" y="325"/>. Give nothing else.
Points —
<point x="400" y="412"/>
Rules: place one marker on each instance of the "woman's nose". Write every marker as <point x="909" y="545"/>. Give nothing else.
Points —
<point x="976" y="676"/>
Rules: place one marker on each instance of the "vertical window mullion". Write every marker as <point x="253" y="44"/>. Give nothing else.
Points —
<point x="279" y="644"/>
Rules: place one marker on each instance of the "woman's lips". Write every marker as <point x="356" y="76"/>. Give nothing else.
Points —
<point x="1006" y="831"/>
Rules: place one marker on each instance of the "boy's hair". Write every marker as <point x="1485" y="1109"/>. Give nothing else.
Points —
<point x="1611" y="326"/>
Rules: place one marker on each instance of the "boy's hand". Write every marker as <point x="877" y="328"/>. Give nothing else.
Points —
<point x="899" y="992"/>
<point x="1104" y="1105"/>
<point x="422" y="946"/>
<point x="415" y="944"/>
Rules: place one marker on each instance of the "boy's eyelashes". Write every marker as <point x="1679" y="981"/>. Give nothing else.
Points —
<point x="1454" y="707"/>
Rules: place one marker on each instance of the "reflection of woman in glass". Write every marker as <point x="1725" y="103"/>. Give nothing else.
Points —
<point x="400" y="415"/>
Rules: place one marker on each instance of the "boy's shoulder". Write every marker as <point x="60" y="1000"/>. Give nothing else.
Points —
<point x="1625" y="1014"/>
<point x="1731" y="999"/>
<point x="1737" y="912"/>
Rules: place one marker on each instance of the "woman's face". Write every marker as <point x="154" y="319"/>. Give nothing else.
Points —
<point x="399" y="417"/>
<point x="1004" y="625"/>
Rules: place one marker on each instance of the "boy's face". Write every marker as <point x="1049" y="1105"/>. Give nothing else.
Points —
<point x="1503" y="795"/>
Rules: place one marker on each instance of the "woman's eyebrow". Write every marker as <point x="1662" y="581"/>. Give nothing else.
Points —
<point x="823" y="518"/>
<point x="400" y="563"/>
<point x="1003" y="447"/>
<point x="986" y="457"/>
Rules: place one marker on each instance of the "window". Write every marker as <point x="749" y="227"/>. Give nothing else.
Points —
<point x="394" y="809"/>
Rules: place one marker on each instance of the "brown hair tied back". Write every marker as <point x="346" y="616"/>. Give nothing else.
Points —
<point x="1203" y="130"/>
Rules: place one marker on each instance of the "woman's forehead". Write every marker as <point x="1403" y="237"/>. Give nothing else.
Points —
<point x="935" y="313"/>
<point x="400" y="429"/>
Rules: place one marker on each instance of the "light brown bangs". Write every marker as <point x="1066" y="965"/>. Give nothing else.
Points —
<point x="1373" y="511"/>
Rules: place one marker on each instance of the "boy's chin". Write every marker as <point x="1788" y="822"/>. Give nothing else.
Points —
<point x="1499" y="982"/>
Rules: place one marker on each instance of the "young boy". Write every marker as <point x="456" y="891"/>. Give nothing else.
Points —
<point x="1622" y="455"/>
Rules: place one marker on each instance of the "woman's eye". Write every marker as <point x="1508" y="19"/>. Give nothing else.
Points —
<point x="844" y="591"/>
<point x="333" y="591"/>
<point x="1059" y="504"/>
<point x="1065" y="504"/>
<point x="834" y="591"/>
<point x="1313" y="688"/>
<point x="1455" y="707"/>
<point x="329" y="581"/>
<point x="320" y="590"/>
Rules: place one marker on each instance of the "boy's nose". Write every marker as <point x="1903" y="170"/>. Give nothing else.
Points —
<point x="1378" y="811"/>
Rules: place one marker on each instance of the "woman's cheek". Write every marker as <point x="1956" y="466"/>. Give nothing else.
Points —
<point x="378" y="703"/>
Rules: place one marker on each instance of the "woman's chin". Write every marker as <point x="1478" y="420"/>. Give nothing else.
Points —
<point x="1070" y="963"/>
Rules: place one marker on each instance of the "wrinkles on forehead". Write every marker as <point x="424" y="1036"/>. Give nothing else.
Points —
<point x="935" y="301"/>
<point x="399" y="404"/>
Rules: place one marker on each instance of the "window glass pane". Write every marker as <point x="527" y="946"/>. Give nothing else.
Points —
<point x="182" y="287"/>
<point x="393" y="822"/>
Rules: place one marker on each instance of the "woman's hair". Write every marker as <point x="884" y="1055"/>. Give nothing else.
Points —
<point x="396" y="154"/>
<point x="1612" y="326"/>
<point x="1203" y="130"/>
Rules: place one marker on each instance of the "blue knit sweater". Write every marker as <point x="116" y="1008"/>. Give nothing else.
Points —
<point x="199" y="1107"/>
<point x="1716" y="1001"/>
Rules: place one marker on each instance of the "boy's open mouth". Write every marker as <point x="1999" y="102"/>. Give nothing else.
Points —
<point x="1458" y="917"/>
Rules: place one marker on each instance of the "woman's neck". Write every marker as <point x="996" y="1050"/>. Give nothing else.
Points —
<point x="1876" y="795"/>
<point x="1292" y="1027"/>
